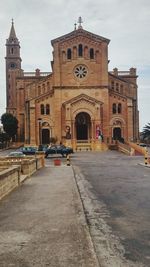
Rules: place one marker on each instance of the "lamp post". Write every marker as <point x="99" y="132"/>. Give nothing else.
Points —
<point x="40" y="131"/>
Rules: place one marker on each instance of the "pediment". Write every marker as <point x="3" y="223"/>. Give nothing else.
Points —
<point x="42" y="97"/>
<point x="81" y="98"/>
<point x="80" y="32"/>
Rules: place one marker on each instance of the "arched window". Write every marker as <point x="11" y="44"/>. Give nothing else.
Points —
<point x="117" y="87"/>
<point x="12" y="50"/>
<point x="80" y="50"/>
<point x="47" y="109"/>
<point x="69" y="54"/>
<point x="114" y="108"/>
<point x="112" y="85"/>
<point x="42" y="109"/>
<point x="91" y="53"/>
<point x="119" y="108"/>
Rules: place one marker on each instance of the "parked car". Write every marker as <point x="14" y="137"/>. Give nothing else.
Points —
<point x="58" y="149"/>
<point x="142" y="145"/>
<point x="42" y="148"/>
<point x="16" y="154"/>
<point x="28" y="150"/>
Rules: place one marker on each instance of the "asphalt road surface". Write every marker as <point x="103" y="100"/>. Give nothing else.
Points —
<point x="115" y="189"/>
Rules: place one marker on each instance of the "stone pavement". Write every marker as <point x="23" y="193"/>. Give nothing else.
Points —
<point x="42" y="223"/>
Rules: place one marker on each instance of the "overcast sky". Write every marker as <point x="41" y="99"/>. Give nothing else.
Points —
<point x="37" y="22"/>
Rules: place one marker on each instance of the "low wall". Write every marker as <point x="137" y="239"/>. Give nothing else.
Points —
<point x="9" y="179"/>
<point x="40" y="156"/>
<point x="28" y="167"/>
<point x="137" y="150"/>
<point x="13" y="170"/>
<point x="28" y="164"/>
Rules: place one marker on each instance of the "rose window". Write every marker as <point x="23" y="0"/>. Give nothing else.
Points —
<point x="80" y="71"/>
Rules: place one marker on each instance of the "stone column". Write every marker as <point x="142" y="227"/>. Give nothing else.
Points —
<point x="73" y="135"/>
<point x="92" y="135"/>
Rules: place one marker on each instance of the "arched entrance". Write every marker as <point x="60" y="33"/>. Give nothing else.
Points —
<point x="117" y="133"/>
<point x="83" y="126"/>
<point x="45" y="136"/>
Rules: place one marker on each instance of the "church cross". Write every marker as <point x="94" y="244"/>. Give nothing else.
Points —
<point x="80" y="23"/>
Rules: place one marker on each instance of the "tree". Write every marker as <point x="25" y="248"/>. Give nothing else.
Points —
<point x="146" y="132"/>
<point x="4" y="138"/>
<point x="10" y="124"/>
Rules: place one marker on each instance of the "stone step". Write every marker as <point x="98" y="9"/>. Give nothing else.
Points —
<point x="83" y="147"/>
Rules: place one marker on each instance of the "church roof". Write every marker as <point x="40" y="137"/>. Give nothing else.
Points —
<point x="80" y="32"/>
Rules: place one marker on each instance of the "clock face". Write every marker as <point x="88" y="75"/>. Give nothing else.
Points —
<point x="80" y="71"/>
<point x="12" y="65"/>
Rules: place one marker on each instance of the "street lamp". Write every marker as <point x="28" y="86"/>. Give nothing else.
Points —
<point x="40" y="130"/>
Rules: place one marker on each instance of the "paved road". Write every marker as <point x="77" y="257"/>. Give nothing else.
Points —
<point x="116" y="193"/>
<point x="42" y="223"/>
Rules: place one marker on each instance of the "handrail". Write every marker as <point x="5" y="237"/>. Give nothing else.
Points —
<point x="138" y="148"/>
<point x="125" y="148"/>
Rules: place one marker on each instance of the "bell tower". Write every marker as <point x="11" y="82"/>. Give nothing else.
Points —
<point x="13" y="69"/>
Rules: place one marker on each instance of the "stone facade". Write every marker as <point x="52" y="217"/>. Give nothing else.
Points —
<point x="80" y="101"/>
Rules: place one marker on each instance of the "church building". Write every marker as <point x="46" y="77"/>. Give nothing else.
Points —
<point x="79" y="103"/>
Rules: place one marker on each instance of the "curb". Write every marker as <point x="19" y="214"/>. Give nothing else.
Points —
<point x="84" y="219"/>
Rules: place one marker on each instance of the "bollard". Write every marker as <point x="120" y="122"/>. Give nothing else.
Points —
<point x="36" y="163"/>
<point x="146" y="158"/>
<point x="68" y="160"/>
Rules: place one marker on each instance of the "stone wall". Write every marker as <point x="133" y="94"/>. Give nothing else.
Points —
<point x="9" y="179"/>
<point x="13" y="171"/>
<point x="28" y="164"/>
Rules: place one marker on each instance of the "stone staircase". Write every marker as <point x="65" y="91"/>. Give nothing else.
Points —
<point x="87" y="146"/>
<point x="83" y="147"/>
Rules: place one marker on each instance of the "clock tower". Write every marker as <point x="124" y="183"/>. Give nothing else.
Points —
<point x="13" y="69"/>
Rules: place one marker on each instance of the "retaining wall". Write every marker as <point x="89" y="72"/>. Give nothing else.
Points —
<point x="14" y="170"/>
<point x="9" y="179"/>
<point x="28" y="164"/>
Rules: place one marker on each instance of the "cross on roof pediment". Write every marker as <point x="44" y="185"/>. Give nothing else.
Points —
<point x="80" y="32"/>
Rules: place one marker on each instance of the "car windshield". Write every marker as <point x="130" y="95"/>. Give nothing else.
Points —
<point x="28" y="148"/>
